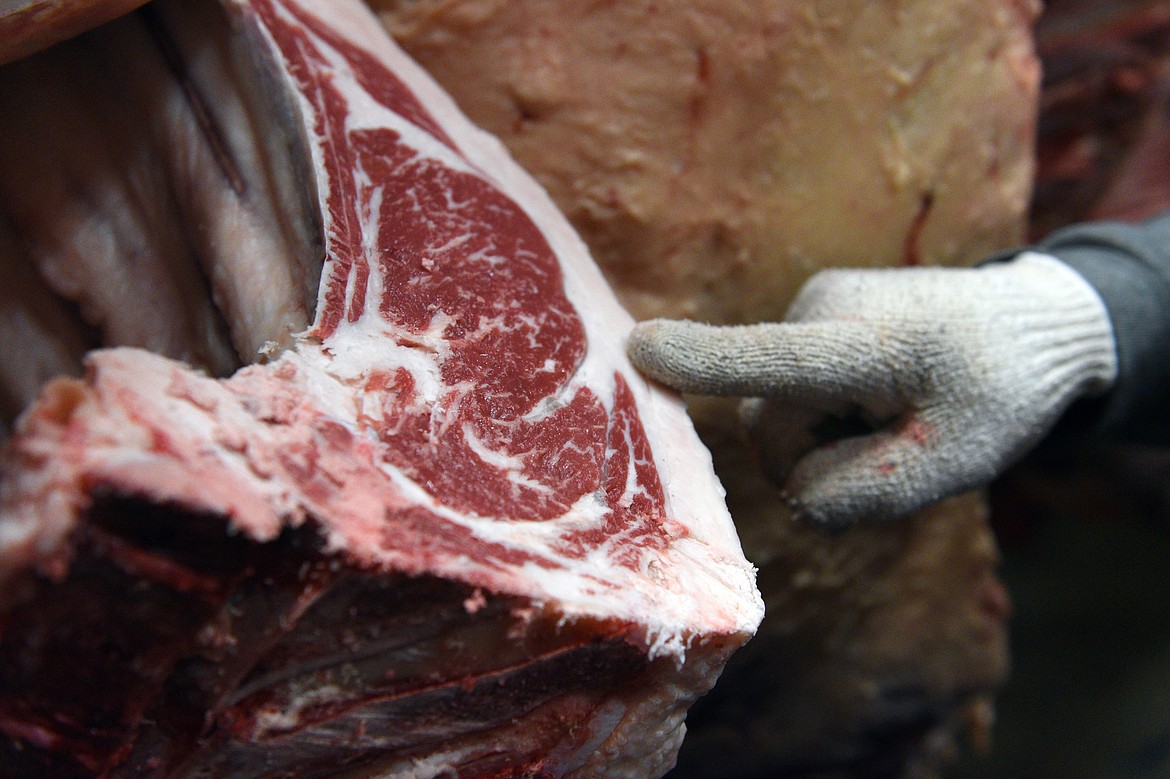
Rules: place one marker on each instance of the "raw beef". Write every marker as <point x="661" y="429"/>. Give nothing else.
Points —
<point x="1104" y="134"/>
<point x="27" y="26"/>
<point x="714" y="154"/>
<point x="447" y="532"/>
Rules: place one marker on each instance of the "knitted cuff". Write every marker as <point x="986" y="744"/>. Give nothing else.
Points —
<point x="1129" y="267"/>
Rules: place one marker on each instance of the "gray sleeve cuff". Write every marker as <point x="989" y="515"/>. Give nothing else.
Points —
<point x="1129" y="266"/>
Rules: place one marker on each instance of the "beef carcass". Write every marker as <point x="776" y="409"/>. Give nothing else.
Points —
<point x="443" y="531"/>
<point x="1104" y="134"/>
<point x="32" y="25"/>
<point x="714" y="154"/>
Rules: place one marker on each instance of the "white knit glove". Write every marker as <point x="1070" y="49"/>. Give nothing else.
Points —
<point x="955" y="372"/>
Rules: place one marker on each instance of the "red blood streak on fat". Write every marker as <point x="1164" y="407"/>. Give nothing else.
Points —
<point x="911" y="245"/>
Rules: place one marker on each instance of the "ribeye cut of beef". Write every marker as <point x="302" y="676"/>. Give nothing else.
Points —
<point x="446" y="532"/>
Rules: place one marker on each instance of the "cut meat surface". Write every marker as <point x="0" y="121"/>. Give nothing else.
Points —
<point x="714" y="154"/>
<point x="458" y="421"/>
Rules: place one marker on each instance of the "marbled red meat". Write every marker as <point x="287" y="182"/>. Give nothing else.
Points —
<point x="457" y="426"/>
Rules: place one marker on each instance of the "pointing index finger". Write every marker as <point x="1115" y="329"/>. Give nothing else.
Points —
<point x="810" y="362"/>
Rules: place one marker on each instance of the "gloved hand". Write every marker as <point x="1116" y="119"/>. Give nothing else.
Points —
<point x="956" y="373"/>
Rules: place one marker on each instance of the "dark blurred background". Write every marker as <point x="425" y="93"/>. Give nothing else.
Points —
<point x="1086" y="534"/>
